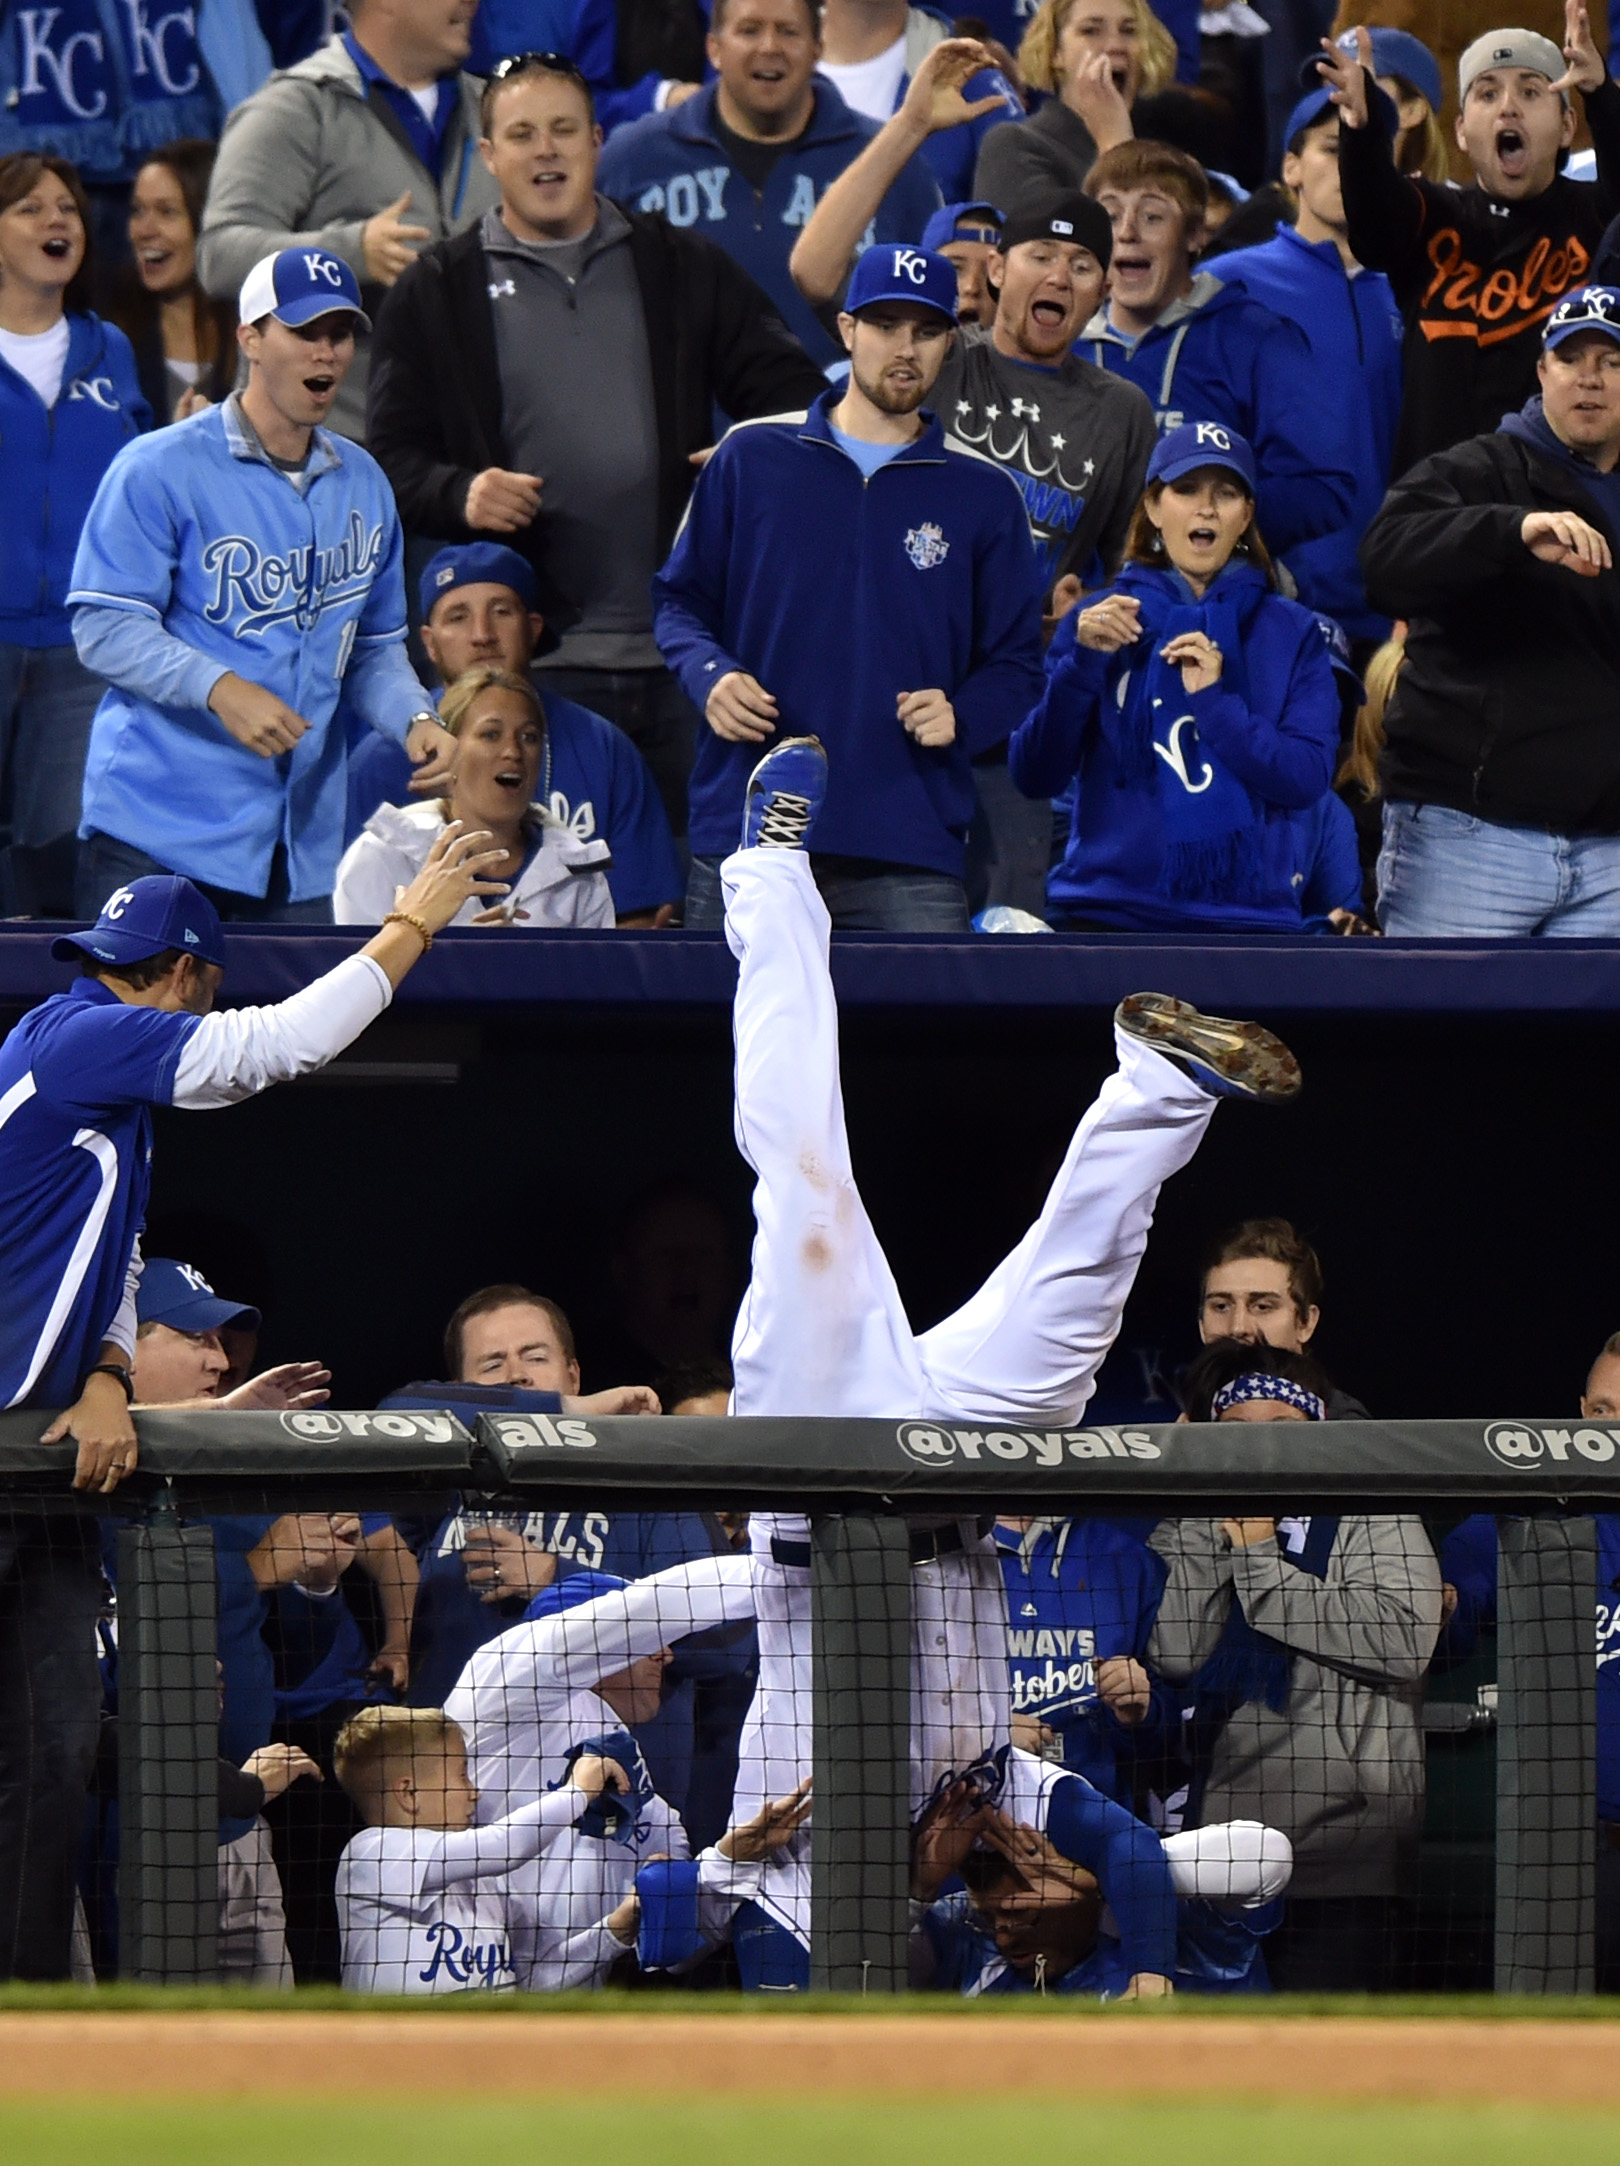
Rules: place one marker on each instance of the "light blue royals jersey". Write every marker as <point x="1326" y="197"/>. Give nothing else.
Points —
<point x="300" y="591"/>
<point x="77" y="1077"/>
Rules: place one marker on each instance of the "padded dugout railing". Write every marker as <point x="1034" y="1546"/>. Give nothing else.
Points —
<point x="858" y="1479"/>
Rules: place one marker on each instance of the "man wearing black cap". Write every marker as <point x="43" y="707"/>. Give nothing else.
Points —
<point x="79" y="1076"/>
<point x="1075" y="438"/>
<point x="1501" y="768"/>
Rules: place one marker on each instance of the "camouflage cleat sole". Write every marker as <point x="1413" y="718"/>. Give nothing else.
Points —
<point x="1228" y="1059"/>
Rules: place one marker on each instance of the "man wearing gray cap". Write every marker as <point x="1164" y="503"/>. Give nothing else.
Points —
<point x="1479" y="270"/>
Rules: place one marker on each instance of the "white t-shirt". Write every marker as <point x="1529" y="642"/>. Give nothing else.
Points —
<point x="423" y="1910"/>
<point x="39" y="357"/>
<point x="872" y="87"/>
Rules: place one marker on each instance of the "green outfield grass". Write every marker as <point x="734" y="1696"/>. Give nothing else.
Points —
<point x="270" y="2132"/>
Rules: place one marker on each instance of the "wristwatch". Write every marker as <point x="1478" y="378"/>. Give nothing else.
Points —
<point x="113" y="1368"/>
<point x="422" y="714"/>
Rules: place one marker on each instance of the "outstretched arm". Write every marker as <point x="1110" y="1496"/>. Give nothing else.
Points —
<point x="825" y="249"/>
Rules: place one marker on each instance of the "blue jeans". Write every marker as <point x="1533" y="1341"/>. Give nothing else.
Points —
<point x="47" y="702"/>
<point x="106" y="864"/>
<point x="861" y="897"/>
<point x="1444" y="875"/>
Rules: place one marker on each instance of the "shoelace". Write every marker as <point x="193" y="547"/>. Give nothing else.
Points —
<point x="785" y="821"/>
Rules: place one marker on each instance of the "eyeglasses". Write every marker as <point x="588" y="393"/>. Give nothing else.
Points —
<point x="520" y="63"/>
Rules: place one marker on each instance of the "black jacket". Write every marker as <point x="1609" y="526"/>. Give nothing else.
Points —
<point x="433" y="414"/>
<point x="1508" y="706"/>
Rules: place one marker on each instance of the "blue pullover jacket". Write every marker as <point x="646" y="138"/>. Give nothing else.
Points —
<point x="1276" y="740"/>
<point x="675" y="162"/>
<point x="1354" y="329"/>
<point x="52" y="460"/>
<point x="839" y="593"/>
<point x="1218" y="355"/>
<point x="1079" y="1592"/>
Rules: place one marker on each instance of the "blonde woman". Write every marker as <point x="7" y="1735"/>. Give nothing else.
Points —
<point x="1094" y="58"/>
<point x="553" y="877"/>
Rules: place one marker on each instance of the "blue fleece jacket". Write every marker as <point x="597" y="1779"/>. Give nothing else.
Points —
<point x="838" y="593"/>
<point x="52" y="460"/>
<point x="1219" y="355"/>
<point x="675" y="162"/>
<point x="1276" y="739"/>
<point x="1354" y="329"/>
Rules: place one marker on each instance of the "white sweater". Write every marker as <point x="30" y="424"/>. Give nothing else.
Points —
<point x="564" y="882"/>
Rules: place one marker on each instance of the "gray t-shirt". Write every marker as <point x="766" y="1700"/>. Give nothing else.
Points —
<point x="1075" y="439"/>
<point x="577" y="405"/>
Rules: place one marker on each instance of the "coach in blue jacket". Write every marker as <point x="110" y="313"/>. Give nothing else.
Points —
<point x="747" y="159"/>
<point x="850" y="574"/>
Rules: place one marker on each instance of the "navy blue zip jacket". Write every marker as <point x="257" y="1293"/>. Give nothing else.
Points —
<point x="1183" y="805"/>
<point x="51" y="463"/>
<point x="1218" y="355"/>
<point x="675" y="162"/>
<point x="838" y="594"/>
<point x="1355" y="330"/>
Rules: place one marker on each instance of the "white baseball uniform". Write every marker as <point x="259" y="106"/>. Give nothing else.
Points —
<point x="525" y="1701"/>
<point x="822" y="1330"/>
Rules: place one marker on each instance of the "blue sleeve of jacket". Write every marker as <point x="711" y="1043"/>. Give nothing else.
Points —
<point x="954" y="152"/>
<point x="379" y="684"/>
<point x="139" y="656"/>
<point x="593" y="48"/>
<point x="1306" y="487"/>
<point x="1129" y="1862"/>
<point x="646" y="870"/>
<point x="912" y="200"/>
<point x="1333" y="877"/>
<point x="1180" y="18"/>
<point x="1043" y="755"/>
<point x="1004" y="677"/>
<point x="1287" y="761"/>
<point x="1468" y="1563"/>
<point x="689" y="594"/>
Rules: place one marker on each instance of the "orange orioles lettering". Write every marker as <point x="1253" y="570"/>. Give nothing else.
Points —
<point x="1490" y="309"/>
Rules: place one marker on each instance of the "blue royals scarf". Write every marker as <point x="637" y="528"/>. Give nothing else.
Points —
<point x="1213" y="823"/>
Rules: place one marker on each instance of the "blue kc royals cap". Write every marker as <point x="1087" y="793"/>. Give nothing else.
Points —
<point x="178" y="1295"/>
<point x="141" y="920"/>
<point x="1394" y="53"/>
<point x="1202" y="443"/>
<point x="982" y="220"/>
<point x="1594" y="308"/>
<point x="298" y="285"/>
<point x="902" y="272"/>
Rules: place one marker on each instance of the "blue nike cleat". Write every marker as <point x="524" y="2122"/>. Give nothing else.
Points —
<point x="785" y="792"/>
<point x="1227" y="1059"/>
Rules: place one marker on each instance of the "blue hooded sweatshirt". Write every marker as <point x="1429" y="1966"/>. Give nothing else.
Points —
<point x="1354" y="329"/>
<point x="838" y="593"/>
<point x="1079" y="1592"/>
<point x="1218" y="355"/>
<point x="1183" y="810"/>
<point x="675" y="162"/>
<point x="52" y="459"/>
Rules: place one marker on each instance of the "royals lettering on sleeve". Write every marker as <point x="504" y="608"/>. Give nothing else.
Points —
<point x="1469" y="303"/>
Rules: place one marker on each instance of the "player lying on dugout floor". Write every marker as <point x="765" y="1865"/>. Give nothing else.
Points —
<point x="1062" y="1890"/>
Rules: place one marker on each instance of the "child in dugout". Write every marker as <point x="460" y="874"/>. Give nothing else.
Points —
<point x="425" y="1900"/>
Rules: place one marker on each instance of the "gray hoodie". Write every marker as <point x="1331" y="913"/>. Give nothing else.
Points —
<point x="1339" y="1768"/>
<point x="306" y="161"/>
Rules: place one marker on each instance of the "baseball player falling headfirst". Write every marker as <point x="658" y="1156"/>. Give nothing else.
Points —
<point x="822" y="1330"/>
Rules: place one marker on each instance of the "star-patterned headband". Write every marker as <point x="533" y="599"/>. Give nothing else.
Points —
<point x="1258" y="1384"/>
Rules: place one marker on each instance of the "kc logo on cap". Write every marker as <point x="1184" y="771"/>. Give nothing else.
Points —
<point x="909" y="264"/>
<point x="1211" y="432"/>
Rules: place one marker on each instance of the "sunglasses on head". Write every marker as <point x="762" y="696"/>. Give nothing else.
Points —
<point x="520" y="63"/>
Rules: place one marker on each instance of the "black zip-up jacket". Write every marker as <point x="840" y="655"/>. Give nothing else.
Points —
<point x="433" y="412"/>
<point x="1508" y="706"/>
